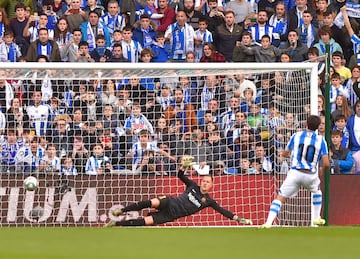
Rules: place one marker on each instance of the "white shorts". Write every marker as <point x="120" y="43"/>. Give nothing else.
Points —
<point x="295" y="179"/>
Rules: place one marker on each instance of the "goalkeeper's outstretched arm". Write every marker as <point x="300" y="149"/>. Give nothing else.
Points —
<point x="231" y="215"/>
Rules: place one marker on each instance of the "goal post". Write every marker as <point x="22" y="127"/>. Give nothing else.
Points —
<point x="240" y="148"/>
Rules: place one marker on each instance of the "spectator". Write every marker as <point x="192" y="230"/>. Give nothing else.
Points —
<point x="279" y="20"/>
<point x="117" y="54"/>
<point x="9" y="50"/>
<point x="62" y="36"/>
<point x="4" y="23"/>
<point x="92" y="6"/>
<point x="341" y="158"/>
<point x="9" y="148"/>
<point x="353" y="85"/>
<point x="131" y="6"/>
<point x="181" y="36"/>
<point x="144" y="144"/>
<point x="326" y="38"/>
<point x="144" y="32"/>
<point x="341" y="107"/>
<point x="226" y="35"/>
<point x="67" y="167"/>
<point x="296" y="14"/>
<point x="37" y="22"/>
<point x="50" y="163"/>
<point x="98" y="163"/>
<point x="336" y="89"/>
<point x="79" y="154"/>
<point x="262" y="28"/>
<point x="241" y="9"/>
<point x="269" y="6"/>
<point x="297" y="50"/>
<point x="38" y="114"/>
<point x="240" y="54"/>
<point x="28" y="157"/>
<point x="211" y="55"/>
<point x="17" y="26"/>
<point x="218" y="148"/>
<point x="322" y="7"/>
<point x="92" y="28"/>
<point x="266" y="52"/>
<point x="168" y="15"/>
<point x="131" y="48"/>
<point x="75" y="16"/>
<point x="215" y="16"/>
<point x="193" y="15"/>
<point x="61" y="137"/>
<point x="307" y="31"/>
<point x="354" y="144"/>
<point x="160" y="49"/>
<point x="113" y="18"/>
<point x="70" y="50"/>
<point x="150" y="10"/>
<point x="228" y="117"/>
<point x="100" y="53"/>
<point x="337" y="59"/>
<point x="266" y="165"/>
<point x="44" y="46"/>
<point x="340" y="125"/>
<point x="83" y="54"/>
<point x="181" y="110"/>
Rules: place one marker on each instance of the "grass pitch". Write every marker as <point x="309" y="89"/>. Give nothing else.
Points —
<point x="184" y="243"/>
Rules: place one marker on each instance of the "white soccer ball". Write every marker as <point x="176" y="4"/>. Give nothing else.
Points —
<point x="31" y="183"/>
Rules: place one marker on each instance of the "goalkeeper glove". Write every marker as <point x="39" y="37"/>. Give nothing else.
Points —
<point x="187" y="161"/>
<point x="243" y="220"/>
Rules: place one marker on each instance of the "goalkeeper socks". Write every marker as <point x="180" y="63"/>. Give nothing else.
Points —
<point x="137" y="206"/>
<point x="317" y="203"/>
<point x="131" y="223"/>
<point x="274" y="210"/>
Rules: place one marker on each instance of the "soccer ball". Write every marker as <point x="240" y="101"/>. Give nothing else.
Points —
<point x="31" y="183"/>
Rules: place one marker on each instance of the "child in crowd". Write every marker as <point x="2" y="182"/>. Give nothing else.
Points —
<point x="100" y="53"/>
<point x="160" y="49"/>
<point x="50" y="163"/>
<point x="336" y="89"/>
<point x="67" y="166"/>
<point x="340" y="125"/>
<point x="9" y="50"/>
<point x="98" y="163"/>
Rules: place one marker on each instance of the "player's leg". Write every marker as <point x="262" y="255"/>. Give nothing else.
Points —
<point x="153" y="203"/>
<point x="313" y="186"/>
<point x="289" y="188"/>
<point x="274" y="210"/>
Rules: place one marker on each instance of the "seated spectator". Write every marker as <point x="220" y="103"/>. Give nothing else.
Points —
<point x="297" y="50"/>
<point x="144" y="32"/>
<point x="341" y="157"/>
<point x="9" y="148"/>
<point x="262" y="28"/>
<point x="117" y="54"/>
<point x="67" y="167"/>
<point x="50" y="163"/>
<point x="113" y="19"/>
<point x="98" y="163"/>
<point x="43" y="46"/>
<point x="181" y="110"/>
<point x="266" y="165"/>
<point x="9" y="50"/>
<point x="211" y="55"/>
<point x="28" y="157"/>
<point x="100" y="53"/>
<point x="108" y="95"/>
<point x="239" y="53"/>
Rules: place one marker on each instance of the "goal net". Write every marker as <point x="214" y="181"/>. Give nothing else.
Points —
<point x="102" y="136"/>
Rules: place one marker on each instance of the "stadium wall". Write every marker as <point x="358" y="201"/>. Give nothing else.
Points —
<point x="87" y="200"/>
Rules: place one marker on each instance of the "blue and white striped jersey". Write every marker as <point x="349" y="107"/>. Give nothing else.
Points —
<point x="307" y="149"/>
<point x="39" y="118"/>
<point x="138" y="151"/>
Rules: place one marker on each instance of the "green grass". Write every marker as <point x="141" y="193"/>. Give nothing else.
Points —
<point x="189" y="243"/>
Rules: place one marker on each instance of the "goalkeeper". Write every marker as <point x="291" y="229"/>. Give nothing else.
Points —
<point x="193" y="199"/>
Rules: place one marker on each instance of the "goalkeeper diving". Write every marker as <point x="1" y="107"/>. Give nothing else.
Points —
<point x="168" y="208"/>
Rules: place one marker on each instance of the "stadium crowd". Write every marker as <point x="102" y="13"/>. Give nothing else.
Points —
<point x="235" y="124"/>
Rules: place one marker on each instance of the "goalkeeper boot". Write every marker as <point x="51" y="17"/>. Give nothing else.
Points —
<point x="265" y="226"/>
<point x="111" y="223"/>
<point x="319" y="222"/>
<point x="117" y="212"/>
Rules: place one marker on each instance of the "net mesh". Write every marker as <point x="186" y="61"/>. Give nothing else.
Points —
<point x="102" y="137"/>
